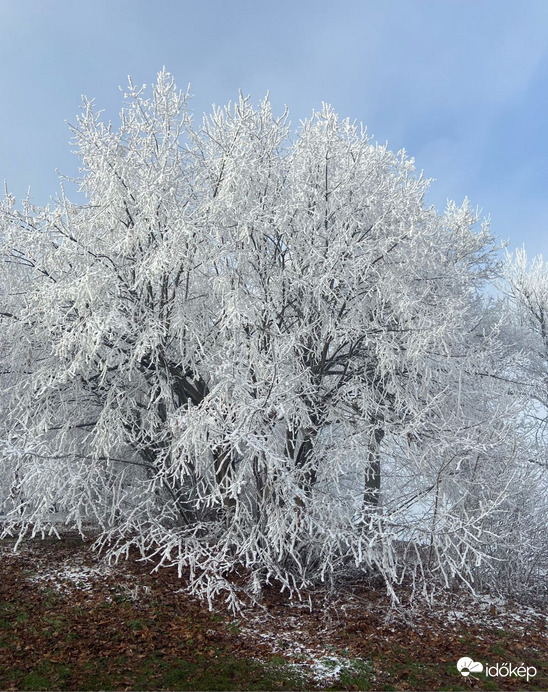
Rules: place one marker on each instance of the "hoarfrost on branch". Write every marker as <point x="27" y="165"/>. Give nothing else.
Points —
<point x="256" y="352"/>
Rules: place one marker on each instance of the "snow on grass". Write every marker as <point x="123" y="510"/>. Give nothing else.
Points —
<point x="295" y="645"/>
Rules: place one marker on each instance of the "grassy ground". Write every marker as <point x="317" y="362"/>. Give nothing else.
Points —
<point x="69" y="622"/>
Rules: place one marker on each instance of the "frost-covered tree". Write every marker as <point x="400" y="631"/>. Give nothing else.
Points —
<point x="525" y="287"/>
<point x="253" y="351"/>
<point x="525" y="284"/>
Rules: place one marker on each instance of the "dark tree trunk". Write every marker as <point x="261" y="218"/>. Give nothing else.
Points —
<point x="223" y="460"/>
<point x="372" y="485"/>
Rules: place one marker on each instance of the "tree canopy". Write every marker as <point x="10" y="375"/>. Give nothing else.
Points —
<point x="257" y="352"/>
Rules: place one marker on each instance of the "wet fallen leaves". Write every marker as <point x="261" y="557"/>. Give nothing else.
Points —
<point x="68" y="620"/>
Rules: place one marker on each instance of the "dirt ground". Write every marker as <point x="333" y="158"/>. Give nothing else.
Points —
<point x="71" y="621"/>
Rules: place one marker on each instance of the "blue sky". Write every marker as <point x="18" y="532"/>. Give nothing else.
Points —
<point x="460" y="84"/>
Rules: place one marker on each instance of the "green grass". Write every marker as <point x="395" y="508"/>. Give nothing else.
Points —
<point x="153" y="673"/>
<point x="357" y="675"/>
<point x="49" y="641"/>
<point x="206" y="672"/>
<point x="45" y="676"/>
<point x="217" y="669"/>
<point x="35" y="681"/>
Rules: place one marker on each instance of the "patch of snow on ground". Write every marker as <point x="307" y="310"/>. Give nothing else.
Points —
<point x="294" y="644"/>
<point x="73" y="575"/>
<point x="483" y="610"/>
<point x="68" y="577"/>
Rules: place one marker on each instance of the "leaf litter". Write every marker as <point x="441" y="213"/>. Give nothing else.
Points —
<point x="125" y="616"/>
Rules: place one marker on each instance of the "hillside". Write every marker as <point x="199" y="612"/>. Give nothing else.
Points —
<point x="69" y="620"/>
